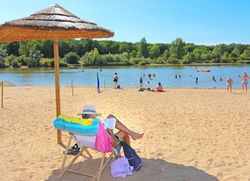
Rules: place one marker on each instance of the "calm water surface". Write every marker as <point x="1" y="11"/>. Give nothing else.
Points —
<point x="128" y="76"/>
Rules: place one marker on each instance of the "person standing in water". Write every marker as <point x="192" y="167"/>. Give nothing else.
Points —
<point x="229" y="84"/>
<point x="141" y="82"/>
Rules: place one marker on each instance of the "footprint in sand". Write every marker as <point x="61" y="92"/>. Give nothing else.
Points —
<point x="230" y="178"/>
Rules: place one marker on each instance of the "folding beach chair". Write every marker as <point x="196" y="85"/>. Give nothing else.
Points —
<point x="84" y="148"/>
<point x="87" y="133"/>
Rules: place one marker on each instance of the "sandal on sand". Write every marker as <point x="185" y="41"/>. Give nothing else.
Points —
<point x="74" y="150"/>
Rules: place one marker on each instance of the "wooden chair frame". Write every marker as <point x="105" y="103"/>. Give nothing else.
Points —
<point x="96" y="177"/>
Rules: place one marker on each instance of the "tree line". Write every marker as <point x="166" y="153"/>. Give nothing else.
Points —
<point x="90" y="52"/>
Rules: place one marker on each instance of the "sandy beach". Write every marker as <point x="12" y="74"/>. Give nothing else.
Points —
<point x="190" y="134"/>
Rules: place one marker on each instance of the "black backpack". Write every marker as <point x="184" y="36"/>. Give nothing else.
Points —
<point x="133" y="159"/>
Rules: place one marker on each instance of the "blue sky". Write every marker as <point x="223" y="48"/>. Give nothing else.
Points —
<point x="207" y="22"/>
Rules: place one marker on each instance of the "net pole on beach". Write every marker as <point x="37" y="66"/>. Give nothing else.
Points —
<point x="2" y="94"/>
<point x="57" y="88"/>
<point x="98" y="83"/>
<point x="72" y="87"/>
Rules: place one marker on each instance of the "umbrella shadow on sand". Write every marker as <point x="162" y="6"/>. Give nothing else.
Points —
<point x="153" y="169"/>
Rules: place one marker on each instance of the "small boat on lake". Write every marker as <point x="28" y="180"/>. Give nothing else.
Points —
<point x="204" y="70"/>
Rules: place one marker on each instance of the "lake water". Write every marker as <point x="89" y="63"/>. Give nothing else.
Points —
<point x="128" y="76"/>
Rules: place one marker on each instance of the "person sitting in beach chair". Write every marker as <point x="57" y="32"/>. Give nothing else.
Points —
<point x="110" y="123"/>
<point x="159" y="88"/>
<point x="100" y="141"/>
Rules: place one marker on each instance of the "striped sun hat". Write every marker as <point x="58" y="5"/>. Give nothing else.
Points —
<point x="89" y="109"/>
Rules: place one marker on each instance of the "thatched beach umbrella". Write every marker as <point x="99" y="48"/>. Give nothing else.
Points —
<point x="53" y="23"/>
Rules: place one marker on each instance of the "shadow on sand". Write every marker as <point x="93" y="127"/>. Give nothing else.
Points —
<point x="158" y="170"/>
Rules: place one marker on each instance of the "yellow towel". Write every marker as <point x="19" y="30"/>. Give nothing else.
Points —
<point x="84" y="122"/>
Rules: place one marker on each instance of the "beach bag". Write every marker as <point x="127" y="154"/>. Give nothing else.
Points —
<point x="121" y="168"/>
<point x="103" y="140"/>
<point x="133" y="159"/>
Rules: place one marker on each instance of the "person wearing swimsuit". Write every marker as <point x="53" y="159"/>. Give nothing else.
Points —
<point x="115" y="80"/>
<point x="244" y="82"/>
<point x="229" y="84"/>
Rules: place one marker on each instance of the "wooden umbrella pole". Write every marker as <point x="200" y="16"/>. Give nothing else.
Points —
<point x="57" y="86"/>
<point x="2" y="94"/>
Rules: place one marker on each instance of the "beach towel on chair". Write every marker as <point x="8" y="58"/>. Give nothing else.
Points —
<point x="76" y="125"/>
<point x="89" y="132"/>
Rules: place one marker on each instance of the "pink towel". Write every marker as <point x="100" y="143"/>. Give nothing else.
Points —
<point x="103" y="141"/>
<point x="121" y="168"/>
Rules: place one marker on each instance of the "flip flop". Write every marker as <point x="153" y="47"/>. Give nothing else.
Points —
<point x="74" y="150"/>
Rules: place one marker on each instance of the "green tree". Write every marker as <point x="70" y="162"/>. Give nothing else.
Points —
<point x="64" y="48"/>
<point x="124" y="47"/>
<point x="25" y="47"/>
<point x="114" y="49"/>
<point x="9" y="59"/>
<point x="225" y="58"/>
<point x="104" y="47"/>
<point x="15" y="62"/>
<point x="133" y="54"/>
<point x="235" y="53"/>
<point x="177" y="49"/>
<point x="3" y="55"/>
<point x="201" y="54"/>
<point x="139" y="54"/>
<point x="93" y="58"/>
<point x="143" y="48"/>
<point x="172" y="60"/>
<point x="12" y="48"/>
<point x="188" y="58"/>
<point x="71" y="58"/>
<point x="206" y="56"/>
<point x="189" y="47"/>
<point x="34" y="58"/>
<point x="22" y="60"/>
<point x="219" y="50"/>
<point x="46" y="48"/>
<point x="154" y="51"/>
<point x="124" y="57"/>
<point x="163" y="58"/>
<point x="245" y="55"/>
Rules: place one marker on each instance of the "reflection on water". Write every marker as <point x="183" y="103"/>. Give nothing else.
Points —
<point x="170" y="76"/>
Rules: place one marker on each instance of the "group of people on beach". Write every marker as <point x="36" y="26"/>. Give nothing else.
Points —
<point x="147" y="87"/>
<point x="229" y="82"/>
<point x="159" y="87"/>
<point x="142" y="87"/>
<point x="244" y="83"/>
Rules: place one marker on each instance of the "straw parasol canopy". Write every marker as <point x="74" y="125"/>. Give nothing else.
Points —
<point x="52" y="23"/>
<point x="49" y="24"/>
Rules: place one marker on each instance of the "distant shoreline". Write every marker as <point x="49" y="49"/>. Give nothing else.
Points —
<point x="79" y="66"/>
<point x="125" y="88"/>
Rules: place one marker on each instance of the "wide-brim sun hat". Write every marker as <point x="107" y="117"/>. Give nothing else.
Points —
<point x="89" y="109"/>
